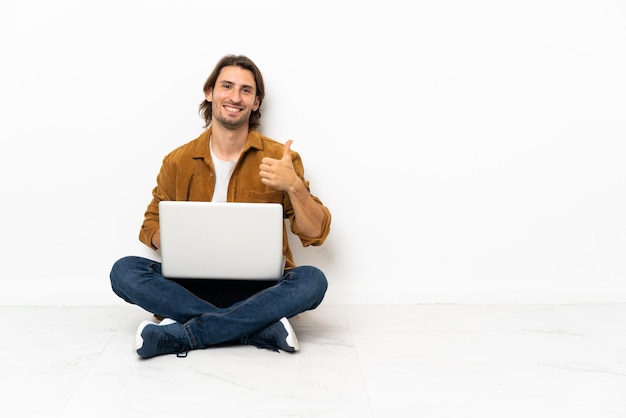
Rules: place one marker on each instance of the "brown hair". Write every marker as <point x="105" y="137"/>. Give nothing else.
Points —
<point x="244" y="62"/>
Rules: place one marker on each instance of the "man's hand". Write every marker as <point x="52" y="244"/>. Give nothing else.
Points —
<point x="156" y="239"/>
<point x="279" y="174"/>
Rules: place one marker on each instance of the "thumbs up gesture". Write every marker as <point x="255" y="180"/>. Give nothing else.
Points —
<point x="279" y="174"/>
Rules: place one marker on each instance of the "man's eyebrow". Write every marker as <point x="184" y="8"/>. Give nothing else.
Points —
<point x="233" y="83"/>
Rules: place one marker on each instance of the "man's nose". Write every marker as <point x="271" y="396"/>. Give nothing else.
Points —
<point x="235" y="95"/>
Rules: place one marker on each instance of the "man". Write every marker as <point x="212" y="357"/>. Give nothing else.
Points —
<point x="230" y="161"/>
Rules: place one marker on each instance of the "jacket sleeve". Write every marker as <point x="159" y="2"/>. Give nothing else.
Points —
<point x="164" y="190"/>
<point x="306" y="241"/>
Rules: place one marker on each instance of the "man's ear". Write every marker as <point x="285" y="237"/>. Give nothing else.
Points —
<point x="257" y="104"/>
<point x="209" y="95"/>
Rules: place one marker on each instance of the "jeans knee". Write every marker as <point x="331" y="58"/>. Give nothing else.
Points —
<point x="322" y="283"/>
<point x="119" y="272"/>
<point x="317" y="282"/>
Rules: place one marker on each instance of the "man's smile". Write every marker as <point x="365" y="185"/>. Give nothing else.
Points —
<point x="232" y="109"/>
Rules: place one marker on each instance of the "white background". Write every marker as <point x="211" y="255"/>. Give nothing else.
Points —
<point x="470" y="151"/>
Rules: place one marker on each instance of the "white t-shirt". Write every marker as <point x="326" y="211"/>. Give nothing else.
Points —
<point x="223" y="171"/>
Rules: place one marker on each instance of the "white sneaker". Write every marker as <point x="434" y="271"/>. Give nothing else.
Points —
<point x="138" y="343"/>
<point x="277" y="336"/>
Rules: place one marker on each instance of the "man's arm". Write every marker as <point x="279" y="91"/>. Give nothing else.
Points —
<point x="281" y="175"/>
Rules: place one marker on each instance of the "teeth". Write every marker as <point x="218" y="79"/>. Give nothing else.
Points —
<point x="232" y="109"/>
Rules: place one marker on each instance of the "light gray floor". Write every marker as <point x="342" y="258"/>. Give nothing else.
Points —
<point x="479" y="361"/>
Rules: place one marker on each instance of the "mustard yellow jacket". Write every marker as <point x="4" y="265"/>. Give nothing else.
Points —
<point x="187" y="173"/>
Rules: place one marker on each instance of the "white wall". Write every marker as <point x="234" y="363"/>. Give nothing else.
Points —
<point x="470" y="151"/>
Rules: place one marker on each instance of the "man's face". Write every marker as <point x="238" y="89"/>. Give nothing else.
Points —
<point x="234" y="97"/>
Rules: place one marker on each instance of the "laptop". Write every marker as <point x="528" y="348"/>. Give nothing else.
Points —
<point x="221" y="240"/>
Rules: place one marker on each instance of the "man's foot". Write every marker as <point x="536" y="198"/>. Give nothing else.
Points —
<point x="168" y="337"/>
<point x="277" y="336"/>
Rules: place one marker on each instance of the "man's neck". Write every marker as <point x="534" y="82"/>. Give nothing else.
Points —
<point x="228" y="144"/>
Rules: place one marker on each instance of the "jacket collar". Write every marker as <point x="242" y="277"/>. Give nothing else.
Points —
<point x="201" y="146"/>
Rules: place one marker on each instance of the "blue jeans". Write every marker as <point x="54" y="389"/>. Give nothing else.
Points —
<point x="139" y="281"/>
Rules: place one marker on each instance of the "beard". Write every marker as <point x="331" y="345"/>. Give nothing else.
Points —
<point x="230" y="123"/>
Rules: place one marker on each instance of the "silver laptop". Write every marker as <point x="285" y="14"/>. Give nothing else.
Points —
<point x="206" y="240"/>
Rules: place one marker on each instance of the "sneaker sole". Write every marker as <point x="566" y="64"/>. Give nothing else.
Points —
<point x="292" y="340"/>
<point x="138" y="343"/>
